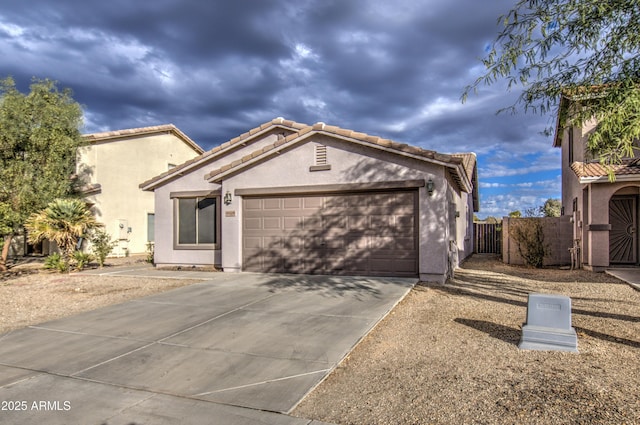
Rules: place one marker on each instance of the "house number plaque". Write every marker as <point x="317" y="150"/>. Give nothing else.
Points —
<point x="229" y="213"/>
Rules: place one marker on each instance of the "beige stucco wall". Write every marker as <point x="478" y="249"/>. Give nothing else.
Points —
<point x="119" y="166"/>
<point x="591" y="214"/>
<point x="557" y="236"/>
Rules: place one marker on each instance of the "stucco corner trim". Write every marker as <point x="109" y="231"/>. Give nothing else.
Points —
<point x="331" y="188"/>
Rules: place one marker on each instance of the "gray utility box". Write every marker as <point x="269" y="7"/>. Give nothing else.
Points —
<point x="548" y="325"/>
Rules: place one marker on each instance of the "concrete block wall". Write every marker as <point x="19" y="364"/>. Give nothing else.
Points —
<point x="558" y="235"/>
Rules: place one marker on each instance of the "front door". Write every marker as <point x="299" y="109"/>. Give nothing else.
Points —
<point x="623" y="237"/>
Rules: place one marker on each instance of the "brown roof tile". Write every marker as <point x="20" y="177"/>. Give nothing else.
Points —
<point x="467" y="161"/>
<point x="210" y="154"/>
<point x="141" y="131"/>
<point x="596" y="169"/>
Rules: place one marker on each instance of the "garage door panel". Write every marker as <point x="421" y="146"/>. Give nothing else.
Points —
<point x="357" y="222"/>
<point x="312" y="223"/>
<point x="334" y="221"/>
<point x="357" y="243"/>
<point x="293" y="244"/>
<point x="292" y="203"/>
<point x="313" y="202"/>
<point x="405" y="222"/>
<point x="252" y="243"/>
<point x="405" y="243"/>
<point x="252" y="204"/>
<point x="360" y="200"/>
<point x="272" y="203"/>
<point x="381" y="221"/>
<point x="292" y="223"/>
<point x="272" y="223"/>
<point x="252" y="223"/>
<point x="364" y="233"/>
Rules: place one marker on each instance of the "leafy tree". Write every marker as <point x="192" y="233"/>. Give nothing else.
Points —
<point x="492" y="220"/>
<point x="39" y="138"/>
<point x="102" y="245"/>
<point x="534" y="212"/>
<point x="585" y="51"/>
<point x="552" y="208"/>
<point x="63" y="221"/>
<point x="515" y="214"/>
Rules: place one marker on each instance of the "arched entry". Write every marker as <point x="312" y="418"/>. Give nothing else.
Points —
<point x="623" y="218"/>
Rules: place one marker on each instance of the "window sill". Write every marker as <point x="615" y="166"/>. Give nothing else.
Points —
<point x="207" y="247"/>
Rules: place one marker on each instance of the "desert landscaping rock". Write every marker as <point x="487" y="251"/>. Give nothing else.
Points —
<point x="29" y="297"/>
<point x="448" y="355"/>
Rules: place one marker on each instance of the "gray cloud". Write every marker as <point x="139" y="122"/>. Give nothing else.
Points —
<point x="215" y="69"/>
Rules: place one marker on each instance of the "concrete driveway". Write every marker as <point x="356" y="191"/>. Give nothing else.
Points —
<point x="235" y="349"/>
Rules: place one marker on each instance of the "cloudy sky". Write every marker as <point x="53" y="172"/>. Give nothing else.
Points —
<point x="217" y="68"/>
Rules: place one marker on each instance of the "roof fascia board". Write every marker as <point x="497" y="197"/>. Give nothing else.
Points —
<point x="208" y="158"/>
<point x="91" y="139"/>
<point x="605" y="179"/>
<point x="331" y="188"/>
<point x="275" y="151"/>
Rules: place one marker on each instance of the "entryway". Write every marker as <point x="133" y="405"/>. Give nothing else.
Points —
<point x="623" y="236"/>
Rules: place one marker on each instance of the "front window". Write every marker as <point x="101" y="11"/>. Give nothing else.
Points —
<point x="196" y="222"/>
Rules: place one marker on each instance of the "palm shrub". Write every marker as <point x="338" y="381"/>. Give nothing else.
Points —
<point x="56" y="262"/>
<point x="63" y="221"/>
<point x="81" y="259"/>
<point x="101" y="245"/>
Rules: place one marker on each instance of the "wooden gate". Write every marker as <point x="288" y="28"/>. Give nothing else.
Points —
<point x="488" y="238"/>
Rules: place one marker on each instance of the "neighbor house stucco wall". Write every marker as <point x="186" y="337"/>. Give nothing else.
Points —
<point x="119" y="166"/>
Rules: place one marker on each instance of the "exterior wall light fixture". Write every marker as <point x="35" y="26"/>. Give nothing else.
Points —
<point x="227" y="198"/>
<point x="430" y="187"/>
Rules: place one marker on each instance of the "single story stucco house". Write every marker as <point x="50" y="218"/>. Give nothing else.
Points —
<point x="297" y="198"/>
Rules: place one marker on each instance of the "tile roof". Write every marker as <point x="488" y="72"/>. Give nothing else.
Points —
<point x="466" y="161"/>
<point x="211" y="154"/>
<point x="134" y="132"/>
<point x="596" y="169"/>
<point x="469" y="163"/>
<point x="464" y="164"/>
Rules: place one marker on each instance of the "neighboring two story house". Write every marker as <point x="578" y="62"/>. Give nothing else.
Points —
<point x="604" y="213"/>
<point x="291" y="197"/>
<point x="114" y="163"/>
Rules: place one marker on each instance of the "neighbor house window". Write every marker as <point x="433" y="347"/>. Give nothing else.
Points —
<point x="196" y="222"/>
<point x="151" y="220"/>
<point x="570" y="147"/>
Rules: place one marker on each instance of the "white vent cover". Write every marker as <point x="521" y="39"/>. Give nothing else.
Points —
<point x="321" y="155"/>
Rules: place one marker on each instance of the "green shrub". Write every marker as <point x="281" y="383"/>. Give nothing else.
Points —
<point x="101" y="245"/>
<point x="529" y="237"/>
<point x="56" y="262"/>
<point x="81" y="259"/>
<point x="150" y="252"/>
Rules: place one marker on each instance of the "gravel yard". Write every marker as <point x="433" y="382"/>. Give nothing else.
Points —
<point x="29" y="296"/>
<point x="448" y="355"/>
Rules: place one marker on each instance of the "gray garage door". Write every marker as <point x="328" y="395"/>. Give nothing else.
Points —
<point x="353" y="234"/>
